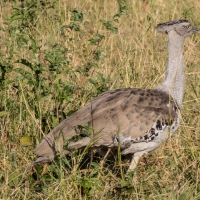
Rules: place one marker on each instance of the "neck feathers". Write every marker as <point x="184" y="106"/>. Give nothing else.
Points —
<point x="174" y="77"/>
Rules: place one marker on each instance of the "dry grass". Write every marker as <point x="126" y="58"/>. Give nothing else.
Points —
<point x="65" y="70"/>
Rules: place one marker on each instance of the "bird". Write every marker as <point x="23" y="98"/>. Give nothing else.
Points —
<point x="136" y="119"/>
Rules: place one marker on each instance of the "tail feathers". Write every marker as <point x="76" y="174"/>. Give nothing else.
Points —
<point x="47" y="148"/>
<point x="45" y="151"/>
<point x="44" y="159"/>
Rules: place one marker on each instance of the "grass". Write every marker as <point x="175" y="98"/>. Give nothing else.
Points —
<point x="57" y="55"/>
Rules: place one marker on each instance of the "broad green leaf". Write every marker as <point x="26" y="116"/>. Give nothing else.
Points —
<point x="26" y="141"/>
<point x="2" y="113"/>
<point x="55" y="121"/>
<point x="16" y="17"/>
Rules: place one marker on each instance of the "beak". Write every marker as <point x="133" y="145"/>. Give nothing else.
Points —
<point x="195" y="30"/>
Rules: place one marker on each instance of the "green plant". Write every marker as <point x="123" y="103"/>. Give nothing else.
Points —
<point x="55" y="57"/>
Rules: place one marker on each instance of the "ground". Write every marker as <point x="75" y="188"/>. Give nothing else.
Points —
<point x="56" y="56"/>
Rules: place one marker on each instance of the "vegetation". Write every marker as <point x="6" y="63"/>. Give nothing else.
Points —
<point x="55" y="56"/>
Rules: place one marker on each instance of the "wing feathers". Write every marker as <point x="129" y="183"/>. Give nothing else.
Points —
<point x="129" y="112"/>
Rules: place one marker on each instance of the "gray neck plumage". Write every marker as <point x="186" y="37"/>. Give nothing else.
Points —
<point x="174" y="78"/>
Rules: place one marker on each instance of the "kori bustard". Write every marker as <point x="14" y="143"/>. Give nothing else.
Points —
<point x="137" y="119"/>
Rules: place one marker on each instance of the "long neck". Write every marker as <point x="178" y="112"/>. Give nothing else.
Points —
<point x="175" y="78"/>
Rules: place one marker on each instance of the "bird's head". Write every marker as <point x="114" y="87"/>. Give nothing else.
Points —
<point x="182" y="28"/>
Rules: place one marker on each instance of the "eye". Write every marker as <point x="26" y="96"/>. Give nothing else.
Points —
<point x="186" y="26"/>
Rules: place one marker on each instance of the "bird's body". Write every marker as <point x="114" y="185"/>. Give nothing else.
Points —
<point x="137" y="119"/>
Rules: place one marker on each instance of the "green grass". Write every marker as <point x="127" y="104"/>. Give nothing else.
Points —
<point x="57" y="55"/>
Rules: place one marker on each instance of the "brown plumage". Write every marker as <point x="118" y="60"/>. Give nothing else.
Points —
<point x="138" y="120"/>
<point x="122" y="112"/>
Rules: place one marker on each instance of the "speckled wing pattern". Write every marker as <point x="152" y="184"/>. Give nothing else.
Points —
<point x="125" y="115"/>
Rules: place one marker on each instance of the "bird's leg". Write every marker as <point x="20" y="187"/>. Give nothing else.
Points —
<point x="106" y="155"/>
<point x="44" y="168"/>
<point x="133" y="164"/>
